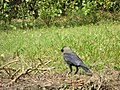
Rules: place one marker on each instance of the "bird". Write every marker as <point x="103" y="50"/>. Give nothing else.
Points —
<point x="72" y="59"/>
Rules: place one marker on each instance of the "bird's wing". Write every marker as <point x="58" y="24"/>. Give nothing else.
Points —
<point x="72" y="58"/>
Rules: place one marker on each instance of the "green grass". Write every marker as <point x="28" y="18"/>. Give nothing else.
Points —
<point x="97" y="45"/>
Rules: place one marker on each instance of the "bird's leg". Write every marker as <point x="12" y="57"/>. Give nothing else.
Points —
<point x="76" y="70"/>
<point x="70" y="66"/>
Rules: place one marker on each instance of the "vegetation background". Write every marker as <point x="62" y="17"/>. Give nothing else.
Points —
<point x="32" y="32"/>
<point x="32" y="14"/>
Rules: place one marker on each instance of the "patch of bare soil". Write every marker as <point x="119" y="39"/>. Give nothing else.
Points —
<point x="42" y="77"/>
<point x="108" y="79"/>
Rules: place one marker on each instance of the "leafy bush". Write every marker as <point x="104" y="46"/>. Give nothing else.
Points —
<point x="63" y="13"/>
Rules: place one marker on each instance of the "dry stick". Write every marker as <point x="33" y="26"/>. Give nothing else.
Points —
<point x="13" y="75"/>
<point x="17" y="77"/>
<point x="39" y="65"/>
<point x="36" y="68"/>
<point x="9" y="63"/>
<point x="40" y="60"/>
<point x="42" y="69"/>
<point x="46" y="69"/>
<point x="47" y="62"/>
<point x="100" y="82"/>
<point x="6" y="69"/>
<point x="27" y="71"/>
<point x="22" y="74"/>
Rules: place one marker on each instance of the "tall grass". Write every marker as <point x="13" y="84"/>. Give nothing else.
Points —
<point x="97" y="45"/>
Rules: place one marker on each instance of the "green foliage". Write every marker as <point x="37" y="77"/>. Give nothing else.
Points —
<point x="47" y="11"/>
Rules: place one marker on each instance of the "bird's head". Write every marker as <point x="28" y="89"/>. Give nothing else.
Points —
<point x="66" y="49"/>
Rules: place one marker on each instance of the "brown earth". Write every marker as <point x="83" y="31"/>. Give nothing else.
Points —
<point x="108" y="79"/>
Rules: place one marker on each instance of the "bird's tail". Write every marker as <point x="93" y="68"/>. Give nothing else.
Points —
<point x="84" y="67"/>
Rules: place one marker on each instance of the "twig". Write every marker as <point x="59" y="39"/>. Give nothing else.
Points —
<point x="42" y="63"/>
<point x="27" y="71"/>
<point x="13" y="75"/>
<point x="7" y="71"/>
<point x="47" y="62"/>
<point x="100" y="83"/>
<point x="8" y="68"/>
<point x="37" y="66"/>
<point x="46" y="69"/>
<point x="40" y="60"/>
<point x="20" y="75"/>
<point x="9" y="63"/>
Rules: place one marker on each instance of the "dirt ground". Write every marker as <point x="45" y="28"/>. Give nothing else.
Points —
<point x="109" y="79"/>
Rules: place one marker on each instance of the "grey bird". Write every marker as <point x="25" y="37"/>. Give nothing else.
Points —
<point x="72" y="59"/>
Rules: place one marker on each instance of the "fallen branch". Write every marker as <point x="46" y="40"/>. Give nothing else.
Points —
<point x="18" y="76"/>
<point x="9" y="63"/>
<point x="42" y="69"/>
<point x="8" y="70"/>
<point x="41" y="63"/>
<point x="101" y="81"/>
<point x="22" y="74"/>
<point x="47" y="62"/>
<point x="40" y="60"/>
<point x="27" y="71"/>
<point x="13" y="75"/>
<point x="46" y="69"/>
